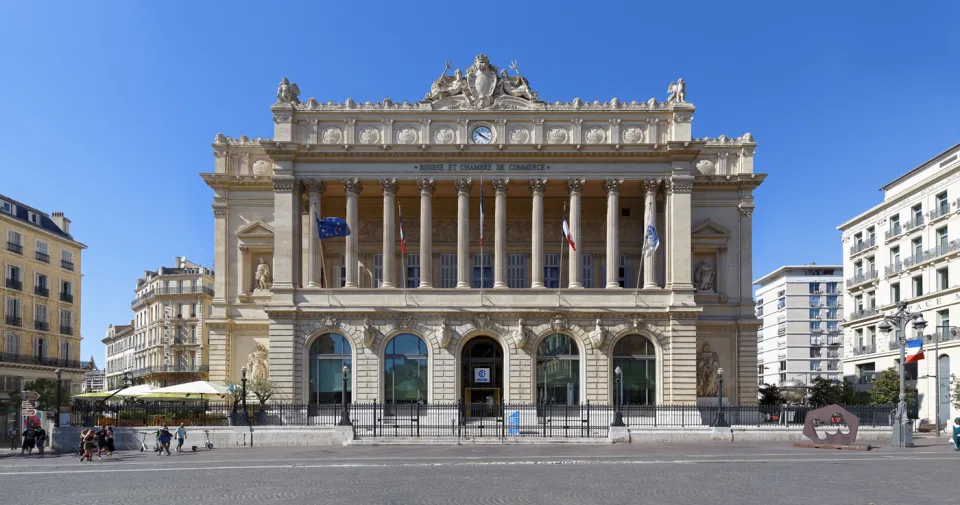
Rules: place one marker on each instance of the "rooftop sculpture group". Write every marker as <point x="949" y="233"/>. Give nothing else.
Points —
<point x="480" y="86"/>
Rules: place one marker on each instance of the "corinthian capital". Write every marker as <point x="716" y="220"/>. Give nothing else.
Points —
<point x="612" y="186"/>
<point x="389" y="186"/>
<point x="500" y="185"/>
<point x="284" y="184"/>
<point x="427" y="186"/>
<point x="463" y="185"/>
<point x="315" y="186"/>
<point x="353" y="185"/>
<point x="574" y="185"/>
<point x="651" y="186"/>
<point x="538" y="186"/>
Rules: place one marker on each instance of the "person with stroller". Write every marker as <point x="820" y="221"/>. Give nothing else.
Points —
<point x="164" y="437"/>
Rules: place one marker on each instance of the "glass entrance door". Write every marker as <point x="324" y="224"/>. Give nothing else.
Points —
<point x="481" y="375"/>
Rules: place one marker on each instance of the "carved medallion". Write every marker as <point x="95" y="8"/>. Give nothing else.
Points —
<point x="520" y="135"/>
<point x="632" y="135"/>
<point x="557" y="136"/>
<point x="706" y="167"/>
<point x="405" y="321"/>
<point x="481" y="321"/>
<point x="444" y="136"/>
<point x="595" y="136"/>
<point x="369" y="135"/>
<point x="332" y="136"/>
<point x="559" y="322"/>
<point x="407" y="136"/>
<point x="262" y="167"/>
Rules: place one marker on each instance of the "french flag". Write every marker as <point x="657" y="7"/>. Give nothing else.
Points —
<point x="403" y="241"/>
<point x="914" y="350"/>
<point x="566" y="230"/>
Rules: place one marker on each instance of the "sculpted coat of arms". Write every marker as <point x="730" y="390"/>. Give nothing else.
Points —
<point x="481" y="86"/>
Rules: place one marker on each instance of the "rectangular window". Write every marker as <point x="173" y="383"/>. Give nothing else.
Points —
<point x="12" y="344"/>
<point x="833" y="288"/>
<point x="918" y="285"/>
<point x="377" y="270"/>
<point x="448" y="271"/>
<point x="8" y="207"/>
<point x="483" y="271"/>
<point x="943" y="321"/>
<point x="586" y="270"/>
<point x="814" y="287"/>
<point x="858" y="303"/>
<point x="833" y="314"/>
<point x="66" y="259"/>
<point x="13" y="273"/>
<point x="943" y="206"/>
<point x="623" y="272"/>
<point x="871" y="234"/>
<point x="815" y="301"/>
<point x="781" y="303"/>
<point x="551" y="271"/>
<point x="340" y="273"/>
<point x="413" y="270"/>
<point x="815" y="326"/>
<point x="832" y="301"/>
<point x="917" y="212"/>
<point x="42" y="251"/>
<point x="40" y="347"/>
<point x="13" y="307"/>
<point x="814" y="313"/>
<point x="66" y="319"/>
<point x="943" y="278"/>
<point x="516" y="271"/>
<point x="14" y="237"/>
<point x="858" y="337"/>
<point x="895" y="293"/>
<point x="895" y="255"/>
<point x="858" y="268"/>
<point x="895" y="224"/>
<point x="33" y="217"/>
<point x="917" y="246"/>
<point x="65" y="350"/>
<point x="942" y="239"/>
<point x="40" y="313"/>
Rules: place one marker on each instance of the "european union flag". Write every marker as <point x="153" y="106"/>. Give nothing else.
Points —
<point x="331" y="227"/>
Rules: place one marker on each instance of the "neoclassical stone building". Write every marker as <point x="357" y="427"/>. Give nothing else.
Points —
<point x="513" y="312"/>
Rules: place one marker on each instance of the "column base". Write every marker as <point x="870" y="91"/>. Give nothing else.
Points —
<point x="500" y="285"/>
<point x="425" y="285"/>
<point x="651" y="285"/>
<point x="575" y="285"/>
<point x="387" y="285"/>
<point x="463" y="285"/>
<point x="349" y="284"/>
<point x="313" y="285"/>
<point x="536" y="285"/>
<point x="613" y="285"/>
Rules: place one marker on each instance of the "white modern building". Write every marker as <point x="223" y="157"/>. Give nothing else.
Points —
<point x="801" y="307"/>
<point x="907" y="248"/>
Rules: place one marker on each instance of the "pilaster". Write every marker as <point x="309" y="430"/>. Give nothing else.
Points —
<point x="427" y="187"/>
<point x="679" y="270"/>
<point x="286" y="209"/>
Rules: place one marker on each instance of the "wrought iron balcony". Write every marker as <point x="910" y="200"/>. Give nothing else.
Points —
<point x="13" y="321"/>
<point x="66" y="297"/>
<point x="66" y="330"/>
<point x="43" y="361"/>
<point x="186" y="290"/>
<point x="14" y="247"/>
<point x="171" y="369"/>
<point x="66" y="265"/>
<point x="894" y="231"/>
<point x="893" y="268"/>
<point x="941" y="249"/>
<point x="862" y="277"/>
<point x="913" y="223"/>
<point x="14" y="284"/>
<point x="816" y="340"/>
<point x="863" y="245"/>
<point x="41" y="291"/>
<point x="943" y="208"/>
<point x="44" y="257"/>
<point x="943" y="334"/>
<point x="41" y="325"/>
<point x="864" y="349"/>
<point x="862" y="313"/>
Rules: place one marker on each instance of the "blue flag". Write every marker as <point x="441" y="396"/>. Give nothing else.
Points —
<point x="331" y="227"/>
<point x="651" y="241"/>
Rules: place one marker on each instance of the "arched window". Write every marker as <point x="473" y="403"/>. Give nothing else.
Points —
<point x="328" y="355"/>
<point x="405" y="372"/>
<point x="558" y="371"/>
<point x="637" y="359"/>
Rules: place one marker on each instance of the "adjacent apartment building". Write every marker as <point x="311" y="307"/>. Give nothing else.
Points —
<point x="94" y="381"/>
<point x="801" y="307"/>
<point x="166" y="343"/>
<point x="40" y="329"/>
<point x="907" y="248"/>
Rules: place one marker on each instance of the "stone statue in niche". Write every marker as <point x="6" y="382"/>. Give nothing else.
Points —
<point x="703" y="278"/>
<point x="708" y="362"/>
<point x="263" y="278"/>
<point x="258" y="363"/>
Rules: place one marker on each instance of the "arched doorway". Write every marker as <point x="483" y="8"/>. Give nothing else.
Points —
<point x="481" y="376"/>
<point x="636" y="357"/>
<point x="329" y="353"/>
<point x="558" y="371"/>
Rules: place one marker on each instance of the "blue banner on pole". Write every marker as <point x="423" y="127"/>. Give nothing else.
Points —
<point x="513" y="423"/>
<point x="332" y="227"/>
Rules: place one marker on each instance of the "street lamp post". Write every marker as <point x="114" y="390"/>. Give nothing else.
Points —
<point x="902" y="430"/>
<point x="618" y="383"/>
<point x="721" y="421"/>
<point x="344" y="413"/>
<point x="243" y="397"/>
<point x="56" y="420"/>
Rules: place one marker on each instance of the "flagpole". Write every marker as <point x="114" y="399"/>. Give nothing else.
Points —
<point x="563" y="243"/>
<point x="482" y="257"/>
<point x="323" y="263"/>
<point x="403" y="256"/>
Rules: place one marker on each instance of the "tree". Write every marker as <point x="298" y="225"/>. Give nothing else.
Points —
<point x="770" y="395"/>
<point x="263" y="389"/>
<point x="886" y="391"/>
<point x="236" y="393"/>
<point x="954" y="391"/>
<point x="824" y="392"/>
<point x="850" y="396"/>
<point x="47" y="389"/>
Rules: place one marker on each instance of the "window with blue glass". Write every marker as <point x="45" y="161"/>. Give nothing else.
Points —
<point x="405" y="371"/>
<point x="637" y="359"/>
<point x="558" y="371"/>
<point x="328" y="355"/>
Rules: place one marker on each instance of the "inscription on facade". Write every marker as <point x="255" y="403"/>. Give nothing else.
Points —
<point x="481" y="167"/>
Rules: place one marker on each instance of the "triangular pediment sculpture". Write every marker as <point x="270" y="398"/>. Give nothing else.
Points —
<point x="255" y="228"/>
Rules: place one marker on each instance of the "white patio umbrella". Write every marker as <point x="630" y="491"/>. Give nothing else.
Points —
<point x="198" y="390"/>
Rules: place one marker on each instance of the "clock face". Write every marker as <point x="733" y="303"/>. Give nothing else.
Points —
<point x="482" y="135"/>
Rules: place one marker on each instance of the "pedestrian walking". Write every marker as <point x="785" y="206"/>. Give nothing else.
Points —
<point x="955" y="439"/>
<point x="110" y="446"/>
<point x="29" y="440"/>
<point x="41" y="436"/>
<point x="181" y="436"/>
<point x="164" y="438"/>
<point x="101" y="441"/>
<point x="12" y="433"/>
<point x="89" y="444"/>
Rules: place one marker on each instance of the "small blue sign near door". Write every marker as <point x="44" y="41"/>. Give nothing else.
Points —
<point x="481" y="375"/>
<point x="513" y="423"/>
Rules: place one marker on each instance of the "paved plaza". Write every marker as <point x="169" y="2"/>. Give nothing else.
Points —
<point x="557" y="475"/>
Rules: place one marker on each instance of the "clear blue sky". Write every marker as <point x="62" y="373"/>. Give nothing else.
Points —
<point x="108" y="109"/>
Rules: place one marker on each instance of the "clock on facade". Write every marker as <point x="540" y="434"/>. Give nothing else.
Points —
<point x="482" y="135"/>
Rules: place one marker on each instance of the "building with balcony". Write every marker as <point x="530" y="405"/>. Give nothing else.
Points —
<point x="800" y="307"/>
<point x="443" y="315"/>
<point x="94" y="381"/>
<point x="166" y="343"/>
<point x="907" y="248"/>
<point x="40" y="296"/>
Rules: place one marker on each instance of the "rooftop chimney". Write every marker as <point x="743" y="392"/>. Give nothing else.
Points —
<point x="61" y="221"/>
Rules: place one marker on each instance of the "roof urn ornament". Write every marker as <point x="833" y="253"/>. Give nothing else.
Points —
<point x="288" y="92"/>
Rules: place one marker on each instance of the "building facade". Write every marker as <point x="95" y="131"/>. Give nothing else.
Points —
<point x="801" y="307"/>
<point x="41" y="298"/>
<point x="94" y="381"/>
<point x="120" y="349"/>
<point x="907" y="248"/>
<point x="431" y="299"/>
<point x="168" y="341"/>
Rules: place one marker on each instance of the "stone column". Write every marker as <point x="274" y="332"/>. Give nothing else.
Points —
<point x="612" y="188"/>
<point x="352" y="188"/>
<point x="315" y="189"/>
<point x="286" y="209"/>
<point x="680" y="249"/>
<point x="427" y="187"/>
<point x="500" y="233"/>
<point x="537" y="187"/>
<point x="574" y="186"/>
<point x="389" y="232"/>
<point x="463" y="232"/>
<point x="221" y="257"/>
<point x="650" y="219"/>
